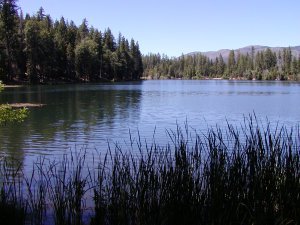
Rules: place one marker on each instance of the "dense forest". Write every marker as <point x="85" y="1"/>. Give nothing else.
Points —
<point x="261" y="65"/>
<point x="36" y="49"/>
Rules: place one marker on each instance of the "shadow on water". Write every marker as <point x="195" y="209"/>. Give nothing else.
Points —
<point x="94" y="114"/>
<point x="71" y="113"/>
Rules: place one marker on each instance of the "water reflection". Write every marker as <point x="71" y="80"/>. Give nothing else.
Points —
<point x="91" y="115"/>
<point x="73" y="114"/>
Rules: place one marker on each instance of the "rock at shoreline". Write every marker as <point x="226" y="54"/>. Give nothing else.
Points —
<point x="26" y="105"/>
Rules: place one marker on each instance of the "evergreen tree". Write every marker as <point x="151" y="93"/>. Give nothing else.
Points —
<point x="49" y="52"/>
<point x="295" y="68"/>
<point x="252" y="58"/>
<point x="270" y="59"/>
<point x="40" y="14"/>
<point x="39" y="49"/>
<point x="85" y="57"/>
<point x="61" y="45"/>
<point x="136" y="56"/>
<point x="97" y="37"/>
<point x="70" y="67"/>
<point x="109" y="41"/>
<point x="2" y="64"/>
<point x="220" y="66"/>
<point x="231" y="66"/>
<point x="83" y="30"/>
<point x="262" y="65"/>
<point x="287" y="60"/>
<point x="32" y="49"/>
<point x="259" y="61"/>
<point x="71" y="43"/>
<point x="20" y="53"/>
<point x="124" y="60"/>
<point x="182" y="64"/>
<point x="8" y="34"/>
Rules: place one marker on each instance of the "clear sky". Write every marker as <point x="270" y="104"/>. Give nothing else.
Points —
<point x="174" y="27"/>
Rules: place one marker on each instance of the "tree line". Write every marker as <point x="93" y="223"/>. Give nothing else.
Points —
<point x="36" y="49"/>
<point x="261" y="65"/>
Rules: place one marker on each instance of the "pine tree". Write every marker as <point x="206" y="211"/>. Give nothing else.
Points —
<point x="259" y="61"/>
<point x="97" y="37"/>
<point x="70" y="67"/>
<point x="270" y="59"/>
<point x="83" y="30"/>
<point x="32" y="45"/>
<point x="124" y="60"/>
<point x="136" y="59"/>
<point x="39" y="50"/>
<point x="8" y="34"/>
<point x="72" y="31"/>
<point x="109" y="41"/>
<point x="294" y="69"/>
<point x="252" y="58"/>
<point x="231" y="66"/>
<point x="61" y="44"/>
<point x="40" y="14"/>
<point x="20" y="53"/>
<point x="85" y="57"/>
<point x="287" y="60"/>
<point x="43" y="51"/>
<point x="220" y="66"/>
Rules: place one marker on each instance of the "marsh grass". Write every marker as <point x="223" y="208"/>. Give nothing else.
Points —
<point x="12" y="205"/>
<point x="246" y="175"/>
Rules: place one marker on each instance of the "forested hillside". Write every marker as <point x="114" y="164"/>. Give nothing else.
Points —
<point x="265" y="64"/>
<point x="36" y="49"/>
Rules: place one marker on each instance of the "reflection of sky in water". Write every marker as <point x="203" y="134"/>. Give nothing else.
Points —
<point x="92" y="115"/>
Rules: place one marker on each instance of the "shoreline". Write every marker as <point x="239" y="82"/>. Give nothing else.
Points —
<point x="141" y="80"/>
<point x="220" y="78"/>
<point x="12" y="85"/>
<point x="26" y="105"/>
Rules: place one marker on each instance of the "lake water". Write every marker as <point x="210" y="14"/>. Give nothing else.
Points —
<point x="91" y="116"/>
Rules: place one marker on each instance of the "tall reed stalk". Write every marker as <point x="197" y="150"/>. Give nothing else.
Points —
<point x="245" y="175"/>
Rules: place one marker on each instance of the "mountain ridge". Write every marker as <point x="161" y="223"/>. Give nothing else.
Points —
<point x="244" y="50"/>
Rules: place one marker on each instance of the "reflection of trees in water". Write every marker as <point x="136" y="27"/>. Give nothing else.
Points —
<point x="68" y="110"/>
<point x="9" y="147"/>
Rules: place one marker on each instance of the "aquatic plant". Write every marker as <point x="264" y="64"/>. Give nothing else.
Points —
<point x="246" y="175"/>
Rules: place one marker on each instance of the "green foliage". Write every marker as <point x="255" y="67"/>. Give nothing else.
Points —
<point x="38" y="50"/>
<point x="1" y="86"/>
<point x="260" y="65"/>
<point x="245" y="175"/>
<point x="9" y="115"/>
<point x="86" y="57"/>
<point x="231" y="65"/>
<point x="287" y="60"/>
<point x="270" y="59"/>
<point x="8" y="34"/>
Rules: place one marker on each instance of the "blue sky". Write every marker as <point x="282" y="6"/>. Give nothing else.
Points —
<point x="176" y="26"/>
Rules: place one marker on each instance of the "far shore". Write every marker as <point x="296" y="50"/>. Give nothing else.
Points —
<point x="217" y="78"/>
<point x="17" y="85"/>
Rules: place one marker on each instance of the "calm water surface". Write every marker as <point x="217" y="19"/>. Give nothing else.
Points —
<point x="90" y="116"/>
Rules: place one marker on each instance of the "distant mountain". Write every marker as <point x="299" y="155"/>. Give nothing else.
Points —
<point x="225" y="52"/>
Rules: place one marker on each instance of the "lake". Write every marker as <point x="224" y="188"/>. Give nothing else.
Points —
<point x="90" y="116"/>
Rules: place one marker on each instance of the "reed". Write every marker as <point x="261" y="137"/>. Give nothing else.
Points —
<point x="245" y="175"/>
<point x="12" y="205"/>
